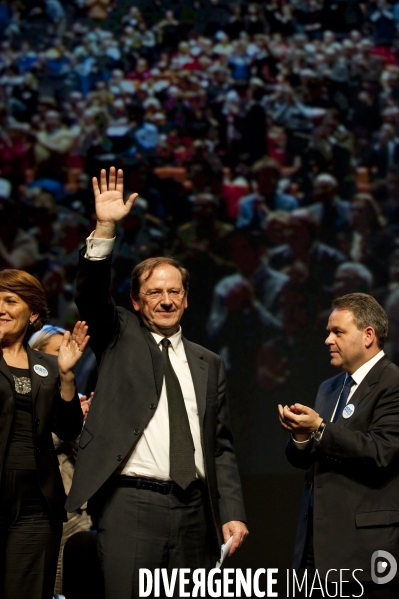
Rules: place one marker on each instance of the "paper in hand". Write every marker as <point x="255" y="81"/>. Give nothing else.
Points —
<point x="224" y="552"/>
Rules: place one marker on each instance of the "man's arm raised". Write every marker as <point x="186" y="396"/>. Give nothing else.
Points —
<point x="93" y="298"/>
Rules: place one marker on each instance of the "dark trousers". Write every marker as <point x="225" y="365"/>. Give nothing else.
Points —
<point x="349" y="589"/>
<point x="29" y="540"/>
<point x="140" y="528"/>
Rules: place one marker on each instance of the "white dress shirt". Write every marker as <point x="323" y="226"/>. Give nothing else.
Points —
<point x="97" y="248"/>
<point x="357" y="376"/>
<point x="150" y="456"/>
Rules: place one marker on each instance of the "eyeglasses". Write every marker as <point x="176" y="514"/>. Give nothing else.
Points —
<point x="156" y="294"/>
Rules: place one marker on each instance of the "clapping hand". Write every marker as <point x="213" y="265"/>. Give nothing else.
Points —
<point x="85" y="403"/>
<point x="299" y="420"/>
<point x="72" y="347"/>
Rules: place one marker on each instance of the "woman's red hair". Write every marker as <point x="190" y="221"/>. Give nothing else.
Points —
<point x="30" y="290"/>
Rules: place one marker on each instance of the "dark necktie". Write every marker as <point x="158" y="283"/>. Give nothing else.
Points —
<point x="349" y="382"/>
<point x="182" y="464"/>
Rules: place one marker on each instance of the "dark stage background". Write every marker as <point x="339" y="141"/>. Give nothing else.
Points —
<point x="263" y="140"/>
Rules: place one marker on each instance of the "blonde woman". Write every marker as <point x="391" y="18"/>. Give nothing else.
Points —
<point x="48" y="340"/>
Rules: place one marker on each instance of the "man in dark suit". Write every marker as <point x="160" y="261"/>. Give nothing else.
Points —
<point x="384" y="154"/>
<point x="156" y="460"/>
<point x="349" y="447"/>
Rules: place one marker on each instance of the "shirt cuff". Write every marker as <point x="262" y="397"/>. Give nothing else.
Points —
<point x="300" y="444"/>
<point x="97" y="248"/>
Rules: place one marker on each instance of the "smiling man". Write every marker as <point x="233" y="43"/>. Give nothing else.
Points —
<point x="349" y="446"/>
<point x="156" y="461"/>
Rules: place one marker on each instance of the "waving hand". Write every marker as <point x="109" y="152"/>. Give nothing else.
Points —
<point x="71" y="350"/>
<point x="110" y="207"/>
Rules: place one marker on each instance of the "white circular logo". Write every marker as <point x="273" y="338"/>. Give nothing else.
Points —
<point x="348" y="410"/>
<point x="40" y="370"/>
<point x="381" y="567"/>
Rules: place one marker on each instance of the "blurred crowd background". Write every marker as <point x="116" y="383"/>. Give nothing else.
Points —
<point x="263" y="140"/>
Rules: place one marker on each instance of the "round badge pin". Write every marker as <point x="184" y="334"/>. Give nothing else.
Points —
<point x="40" y="370"/>
<point x="348" y="410"/>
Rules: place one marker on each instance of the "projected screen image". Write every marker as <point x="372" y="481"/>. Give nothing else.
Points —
<point x="262" y="139"/>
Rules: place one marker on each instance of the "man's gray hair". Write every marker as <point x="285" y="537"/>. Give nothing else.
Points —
<point x="367" y="312"/>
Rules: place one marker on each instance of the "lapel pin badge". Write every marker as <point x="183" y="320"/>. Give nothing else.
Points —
<point x="348" y="410"/>
<point x="40" y="370"/>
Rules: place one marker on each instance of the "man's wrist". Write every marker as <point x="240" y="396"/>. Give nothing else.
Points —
<point x="301" y="437"/>
<point x="105" y="230"/>
<point x="316" y="435"/>
<point x="98" y="248"/>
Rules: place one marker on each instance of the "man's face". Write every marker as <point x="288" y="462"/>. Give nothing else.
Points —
<point x="204" y="211"/>
<point x="347" y="344"/>
<point x="360" y="214"/>
<point x="323" y="191"/>
<point x="52" y="120"/>
<point x="161" y="314"/>
<point x="267" y="181"/>
<point x="245" y="257"/>
<point x="347" y="281"/>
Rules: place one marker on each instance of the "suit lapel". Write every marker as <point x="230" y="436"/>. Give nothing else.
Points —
<point x="36" y="380"/>
<point x="198" y="368"/>
<point x="156" y="356"/>
<point x="361" y="392"/>
<point x="34" y="357"/>
<point x="365" y="386"/>
<point x="4" y="371"/>
<point x="199" y="372"/>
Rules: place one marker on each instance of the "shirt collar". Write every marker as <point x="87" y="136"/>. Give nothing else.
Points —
<point x="175" y="339"/>
<point x="365" y="368"/>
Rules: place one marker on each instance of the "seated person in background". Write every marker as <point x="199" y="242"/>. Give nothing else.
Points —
<point x="330" y="211"/>
<point x="254" y="208"/>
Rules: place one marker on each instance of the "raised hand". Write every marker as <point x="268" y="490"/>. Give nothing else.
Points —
<point x="79" y="334"/>
<point x="110" y="207"/>
<point x="72" y="347"/>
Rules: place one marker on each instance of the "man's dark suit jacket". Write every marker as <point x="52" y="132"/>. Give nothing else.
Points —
<point x="354" y="472"/>
<point x="379" y="157"/>
<point x="127" y="394"/>
<point x="50" y="414"/>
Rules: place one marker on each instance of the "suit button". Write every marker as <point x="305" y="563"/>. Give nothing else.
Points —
<point x="306" y="514"/>
<point x="136" y="432"/>
<point x="119" y="458"/>
<point x="37" y="422"/>
<point x="309" y="483"/>
<point x="152" y="406"/>
<point x="38" y="449"/>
